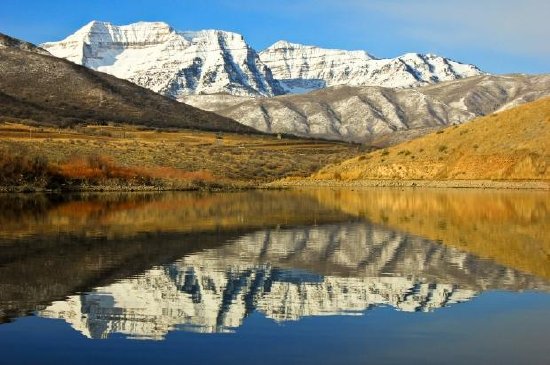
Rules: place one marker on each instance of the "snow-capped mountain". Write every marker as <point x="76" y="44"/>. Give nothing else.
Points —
<point x="302" y="68"/>
<point x="174" y="63"/>
<point x="156" y="56"/>
<point x="288" y="274"/>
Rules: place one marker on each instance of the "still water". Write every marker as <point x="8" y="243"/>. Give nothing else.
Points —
<point x="378" y="276"/>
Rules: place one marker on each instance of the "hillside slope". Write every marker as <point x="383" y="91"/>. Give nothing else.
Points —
<point x="375" y="114"/>
<point x="510" y="145"/>
<point x="45" y="89"/>
<point x="9" y="42"/>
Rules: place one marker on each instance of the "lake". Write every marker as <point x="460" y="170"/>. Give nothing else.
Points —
<point x="313" y="276"/>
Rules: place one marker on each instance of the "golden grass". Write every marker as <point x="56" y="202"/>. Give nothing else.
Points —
<point x="127" y="215"/>
<point x="510" y="145"/>
<point x="99" y="167"/>
<point x="227" y="157"/>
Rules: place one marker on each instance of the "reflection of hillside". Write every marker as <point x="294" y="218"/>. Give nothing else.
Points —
<point x="288" y="274"/>
<point x="35" y="273"/>
<point x="510" y="227"/>
<point x="128" y="214"/>
<point x="51" y="246"/>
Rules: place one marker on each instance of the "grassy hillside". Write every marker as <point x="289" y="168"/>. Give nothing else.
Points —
<point x="510" y="145"/>
<point x="40" y="89"/>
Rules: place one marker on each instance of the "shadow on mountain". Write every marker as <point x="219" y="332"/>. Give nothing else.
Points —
<point x="43" y="89"/>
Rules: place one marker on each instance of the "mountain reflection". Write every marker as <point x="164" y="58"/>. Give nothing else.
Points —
<point x="286" y="275"/>
<point x="142" y="265"/>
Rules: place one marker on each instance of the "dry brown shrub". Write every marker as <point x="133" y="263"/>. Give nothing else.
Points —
<point x="97" y="168"/>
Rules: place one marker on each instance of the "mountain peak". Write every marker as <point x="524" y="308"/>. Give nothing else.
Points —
<point x="96" y="23"/>
<point x="285" y="44"/>
<point x="155" y="56"/>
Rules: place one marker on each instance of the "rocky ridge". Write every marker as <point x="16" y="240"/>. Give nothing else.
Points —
<point x="9" y="42"/>
<point x="368" y="114"/>
<point x="302" y="68"/>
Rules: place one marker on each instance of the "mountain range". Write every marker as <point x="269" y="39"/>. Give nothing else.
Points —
<point x="356" y="96"/>
<point x="177" y="63"/>
<point x="287" y="88"/>
<point x="302" y="68"/>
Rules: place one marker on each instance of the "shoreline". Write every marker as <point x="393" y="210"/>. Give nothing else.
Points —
<point x="452" y="184"/>
<point x="122" y="189"/>
<point x="290" y="183"/>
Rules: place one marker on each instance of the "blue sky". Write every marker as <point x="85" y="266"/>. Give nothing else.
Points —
<point x="500" y="36"/>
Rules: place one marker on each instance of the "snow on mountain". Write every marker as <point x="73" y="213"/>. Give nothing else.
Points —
<point x="156" y="56"/>
<point x="302" y="68"/>
<point x="173" y="63"/>
<point x="287" y="274"/>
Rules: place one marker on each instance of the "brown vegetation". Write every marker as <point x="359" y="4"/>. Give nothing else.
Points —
<point x="28" y="171"/>
<point x="122" y="155"/>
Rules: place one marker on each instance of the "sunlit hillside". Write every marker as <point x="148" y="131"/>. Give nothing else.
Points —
<point x="510" y="145"/>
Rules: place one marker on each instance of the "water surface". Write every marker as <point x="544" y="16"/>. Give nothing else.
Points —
<point x="314" y="276"/>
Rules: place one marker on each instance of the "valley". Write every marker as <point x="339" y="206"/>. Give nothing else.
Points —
<point x="233" y="119"/>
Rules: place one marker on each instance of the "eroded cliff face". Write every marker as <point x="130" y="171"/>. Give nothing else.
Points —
<point x="286" y="275"/>
<point x="156" y="56"/>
